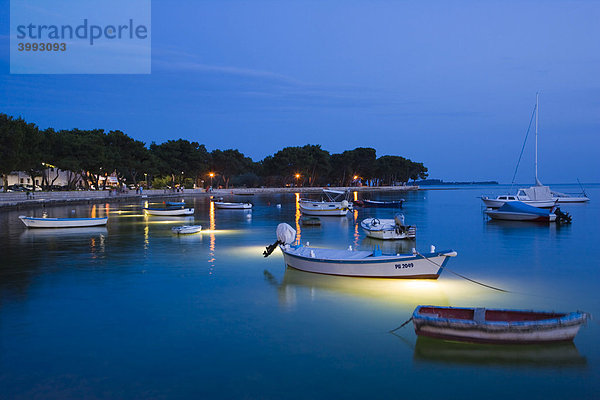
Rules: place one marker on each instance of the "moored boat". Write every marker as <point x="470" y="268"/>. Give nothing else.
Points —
<point x="483" y="325"/>
<point x="388" y="228"/>
<point x="536" y="196"/>
<point x="175" y="203"/>
<point x="336" y="204"/>
<point x="169" y="211"/>
<point x="232" y="206"/>
<point x="379" y="204"/>
<point x="349" y="262"/>
<point x="324" y="208"/>
<point x="32" y="222"/>
<point x="518" y="211"/>
<point x="186" y="229"/>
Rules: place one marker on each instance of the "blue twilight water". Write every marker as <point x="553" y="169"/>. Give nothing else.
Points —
<point x="133" y="311"/>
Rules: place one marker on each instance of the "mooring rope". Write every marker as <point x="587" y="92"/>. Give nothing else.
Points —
<point x="401" y="326"/>
<point x="464" y="277"/>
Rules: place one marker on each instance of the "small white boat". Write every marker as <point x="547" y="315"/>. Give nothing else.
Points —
<point x="371" y="264"/>
<point x="186" y="229"/>
<point x="232" y="206"/>
<point x="336" y="204"/>
<point x="324" y="208"/>
<point x="388" y="228"/>
<point x="483" y="325"/>
<point x="169" y="212"/>
<point x="32" y="222"/>
<point x="175" y="203"/>
<point x="518" y="211"/>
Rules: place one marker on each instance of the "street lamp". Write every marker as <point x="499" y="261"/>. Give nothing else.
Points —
<point x="297" y="178"/>
<point x="211" y="174"/>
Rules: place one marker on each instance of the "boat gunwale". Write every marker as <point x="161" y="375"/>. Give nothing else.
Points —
<point x="62" y="219"/>
<point x="567" y="319"/>
<point x="376" y="259"/>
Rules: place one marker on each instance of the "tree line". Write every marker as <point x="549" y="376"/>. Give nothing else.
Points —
<point x="88" y="155"/>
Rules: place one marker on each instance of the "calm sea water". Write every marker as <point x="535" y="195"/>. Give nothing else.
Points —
<point x="133" y="311"/>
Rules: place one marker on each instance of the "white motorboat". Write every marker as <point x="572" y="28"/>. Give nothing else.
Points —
<point x="336" y="204"/>
<point x="536" y="196"/>
<point x="358" y="263"/>
<point x="186" y="229"/>
<point x="32" y="222"/>
<point x="388" y="228"/>
<point x="174" y="212"/>
<point x="232" y="206"/>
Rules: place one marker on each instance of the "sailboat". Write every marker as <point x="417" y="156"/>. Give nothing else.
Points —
<point x="539" y="195"/>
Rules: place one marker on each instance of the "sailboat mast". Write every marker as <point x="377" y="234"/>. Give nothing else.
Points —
<point x="537" y="112"/>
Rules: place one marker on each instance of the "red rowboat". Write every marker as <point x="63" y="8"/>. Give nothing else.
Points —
<point x="483" y="325"/>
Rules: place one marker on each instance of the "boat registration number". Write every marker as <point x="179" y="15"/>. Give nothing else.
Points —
<point x="404" y="265"/>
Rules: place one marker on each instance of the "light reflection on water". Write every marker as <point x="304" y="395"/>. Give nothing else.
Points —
<point x="110" y="304"/>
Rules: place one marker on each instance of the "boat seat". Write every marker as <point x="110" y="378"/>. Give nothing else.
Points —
<point x="331" y="253"/>
<point x="479" y="315"/>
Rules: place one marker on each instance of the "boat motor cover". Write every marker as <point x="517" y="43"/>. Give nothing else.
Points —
<point x="517" y="206"/>
<point x="399" y="218"/>
<point x="344" y="204"/>
<point x="285" y="233"/>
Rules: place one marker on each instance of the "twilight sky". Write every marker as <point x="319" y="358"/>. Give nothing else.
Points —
<point x="449" y="84"/>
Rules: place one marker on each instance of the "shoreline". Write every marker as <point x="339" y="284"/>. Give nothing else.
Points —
<point x="19" y="200"/>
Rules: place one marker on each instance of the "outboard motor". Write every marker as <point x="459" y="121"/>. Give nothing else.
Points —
<point x="562" y="217"/>
<point x="345" y="204"/>
<point x="400" y="227"/>
<point x="399" y="218"/>
<point x="285" y="236"/>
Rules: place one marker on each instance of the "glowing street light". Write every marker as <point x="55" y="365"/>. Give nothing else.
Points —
<point x="211" y="174"/>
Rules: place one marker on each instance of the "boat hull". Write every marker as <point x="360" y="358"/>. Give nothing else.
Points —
<point x="494" y="203"/>
<point x="513" y="216"/>
<point x="233" y="206"/>
<point x="385" y="229"/>
<point x="32" y="222"/>
<point x="382" y="204"/>
<point x="187" y="230"/>
<point x="561" y="200"/>
<point x="539" y="328"/>
<point x="172" y="213"/>
<point x="390" y="234"/>
<point x="428" y="266"/>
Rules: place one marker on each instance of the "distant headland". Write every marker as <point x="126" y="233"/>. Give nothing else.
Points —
<point x="431" y="182"/>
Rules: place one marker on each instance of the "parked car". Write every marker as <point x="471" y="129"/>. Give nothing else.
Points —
<point x="17" y="188"/>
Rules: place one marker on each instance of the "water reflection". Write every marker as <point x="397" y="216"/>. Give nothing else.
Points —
<point x="553" y="355"/>
<point x="297" y="216"/>
<point x="404" y="291"/>
<point x="211" y="247"/>
<point x="494" y="225"/>
<point x="63" y="233"/>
